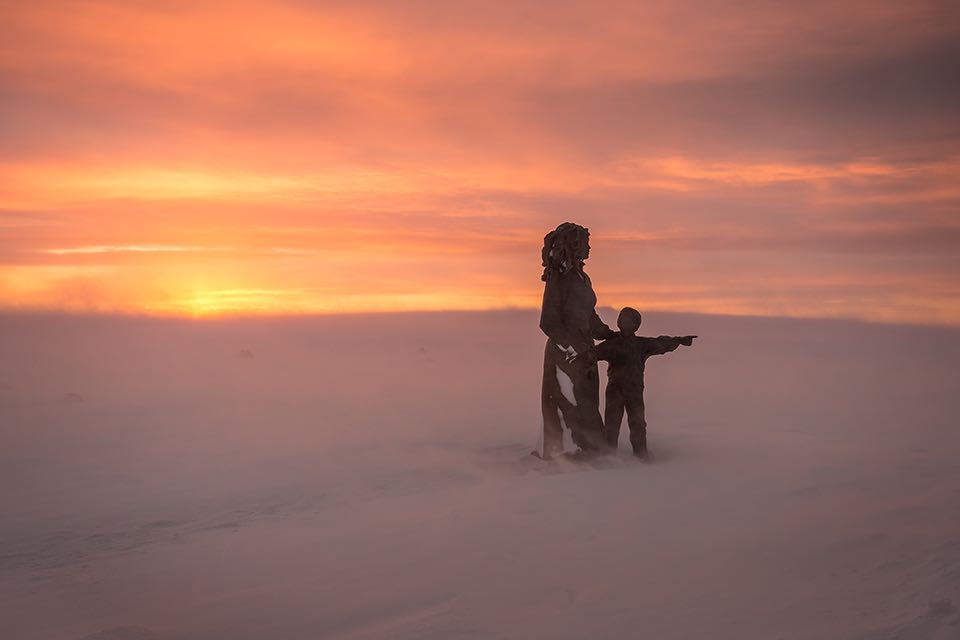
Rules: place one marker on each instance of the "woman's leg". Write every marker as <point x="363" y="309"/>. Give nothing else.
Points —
<point x="586" y="386"/>
<point x="549" y="405"/>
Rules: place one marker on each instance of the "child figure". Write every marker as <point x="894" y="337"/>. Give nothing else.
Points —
<point x="627" y="354"/>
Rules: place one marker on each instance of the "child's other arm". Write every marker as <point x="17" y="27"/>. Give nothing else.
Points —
<point x="604" y="350"/>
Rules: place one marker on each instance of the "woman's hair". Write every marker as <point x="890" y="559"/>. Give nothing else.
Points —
<point x="562" y="249"/>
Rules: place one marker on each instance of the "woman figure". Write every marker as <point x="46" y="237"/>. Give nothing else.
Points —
<point x="571" y="384"/>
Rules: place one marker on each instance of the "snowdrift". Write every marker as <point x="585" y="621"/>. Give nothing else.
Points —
<point x="369" y="477"/>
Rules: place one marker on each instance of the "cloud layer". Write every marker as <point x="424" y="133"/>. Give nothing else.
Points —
<point x="770" y="158"/>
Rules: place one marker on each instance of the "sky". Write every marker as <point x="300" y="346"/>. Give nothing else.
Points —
<point x="206" y="158"/>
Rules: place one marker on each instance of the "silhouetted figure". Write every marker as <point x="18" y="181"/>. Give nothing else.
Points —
<point x="571" y="383"/>
<point x="627" y="355"/>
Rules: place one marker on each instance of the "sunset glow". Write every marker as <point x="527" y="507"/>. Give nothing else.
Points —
<point x="210" y="158"/>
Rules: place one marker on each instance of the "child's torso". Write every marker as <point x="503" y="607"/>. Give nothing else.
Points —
<point x="627" y="360"/>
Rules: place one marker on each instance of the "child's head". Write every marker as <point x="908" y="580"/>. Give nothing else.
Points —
<point x="628" y="321"/>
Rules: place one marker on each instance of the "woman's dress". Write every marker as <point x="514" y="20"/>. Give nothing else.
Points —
<point x="571" y="386"/>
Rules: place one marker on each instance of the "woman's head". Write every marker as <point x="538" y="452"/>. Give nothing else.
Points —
<point x="564" y="248"/>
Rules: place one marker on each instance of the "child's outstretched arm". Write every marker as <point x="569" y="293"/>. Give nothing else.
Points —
<point x="666" y="344"/>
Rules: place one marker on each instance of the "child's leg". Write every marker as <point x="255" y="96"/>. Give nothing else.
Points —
<point x="613" y="414"/>
<point x="638" y="422"/>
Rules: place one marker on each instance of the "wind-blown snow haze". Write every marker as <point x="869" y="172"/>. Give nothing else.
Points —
<point x="370" y="477"/>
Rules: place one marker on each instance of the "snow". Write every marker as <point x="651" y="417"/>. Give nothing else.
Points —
<point x="567" y="443"/>
<point x="155" y="486"/>
<point x="566" y="386"/>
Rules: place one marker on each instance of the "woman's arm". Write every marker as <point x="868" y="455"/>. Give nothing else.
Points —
<point x="599" y="328"/>
<point x="551" y="314"/>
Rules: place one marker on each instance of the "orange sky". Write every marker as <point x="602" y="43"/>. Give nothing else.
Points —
<point x="193" y="158"/>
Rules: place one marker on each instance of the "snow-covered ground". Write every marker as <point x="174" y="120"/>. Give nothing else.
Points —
<point x="368" y="477"/>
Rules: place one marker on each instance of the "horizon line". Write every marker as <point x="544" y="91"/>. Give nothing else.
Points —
<point x="247" y="315"/>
